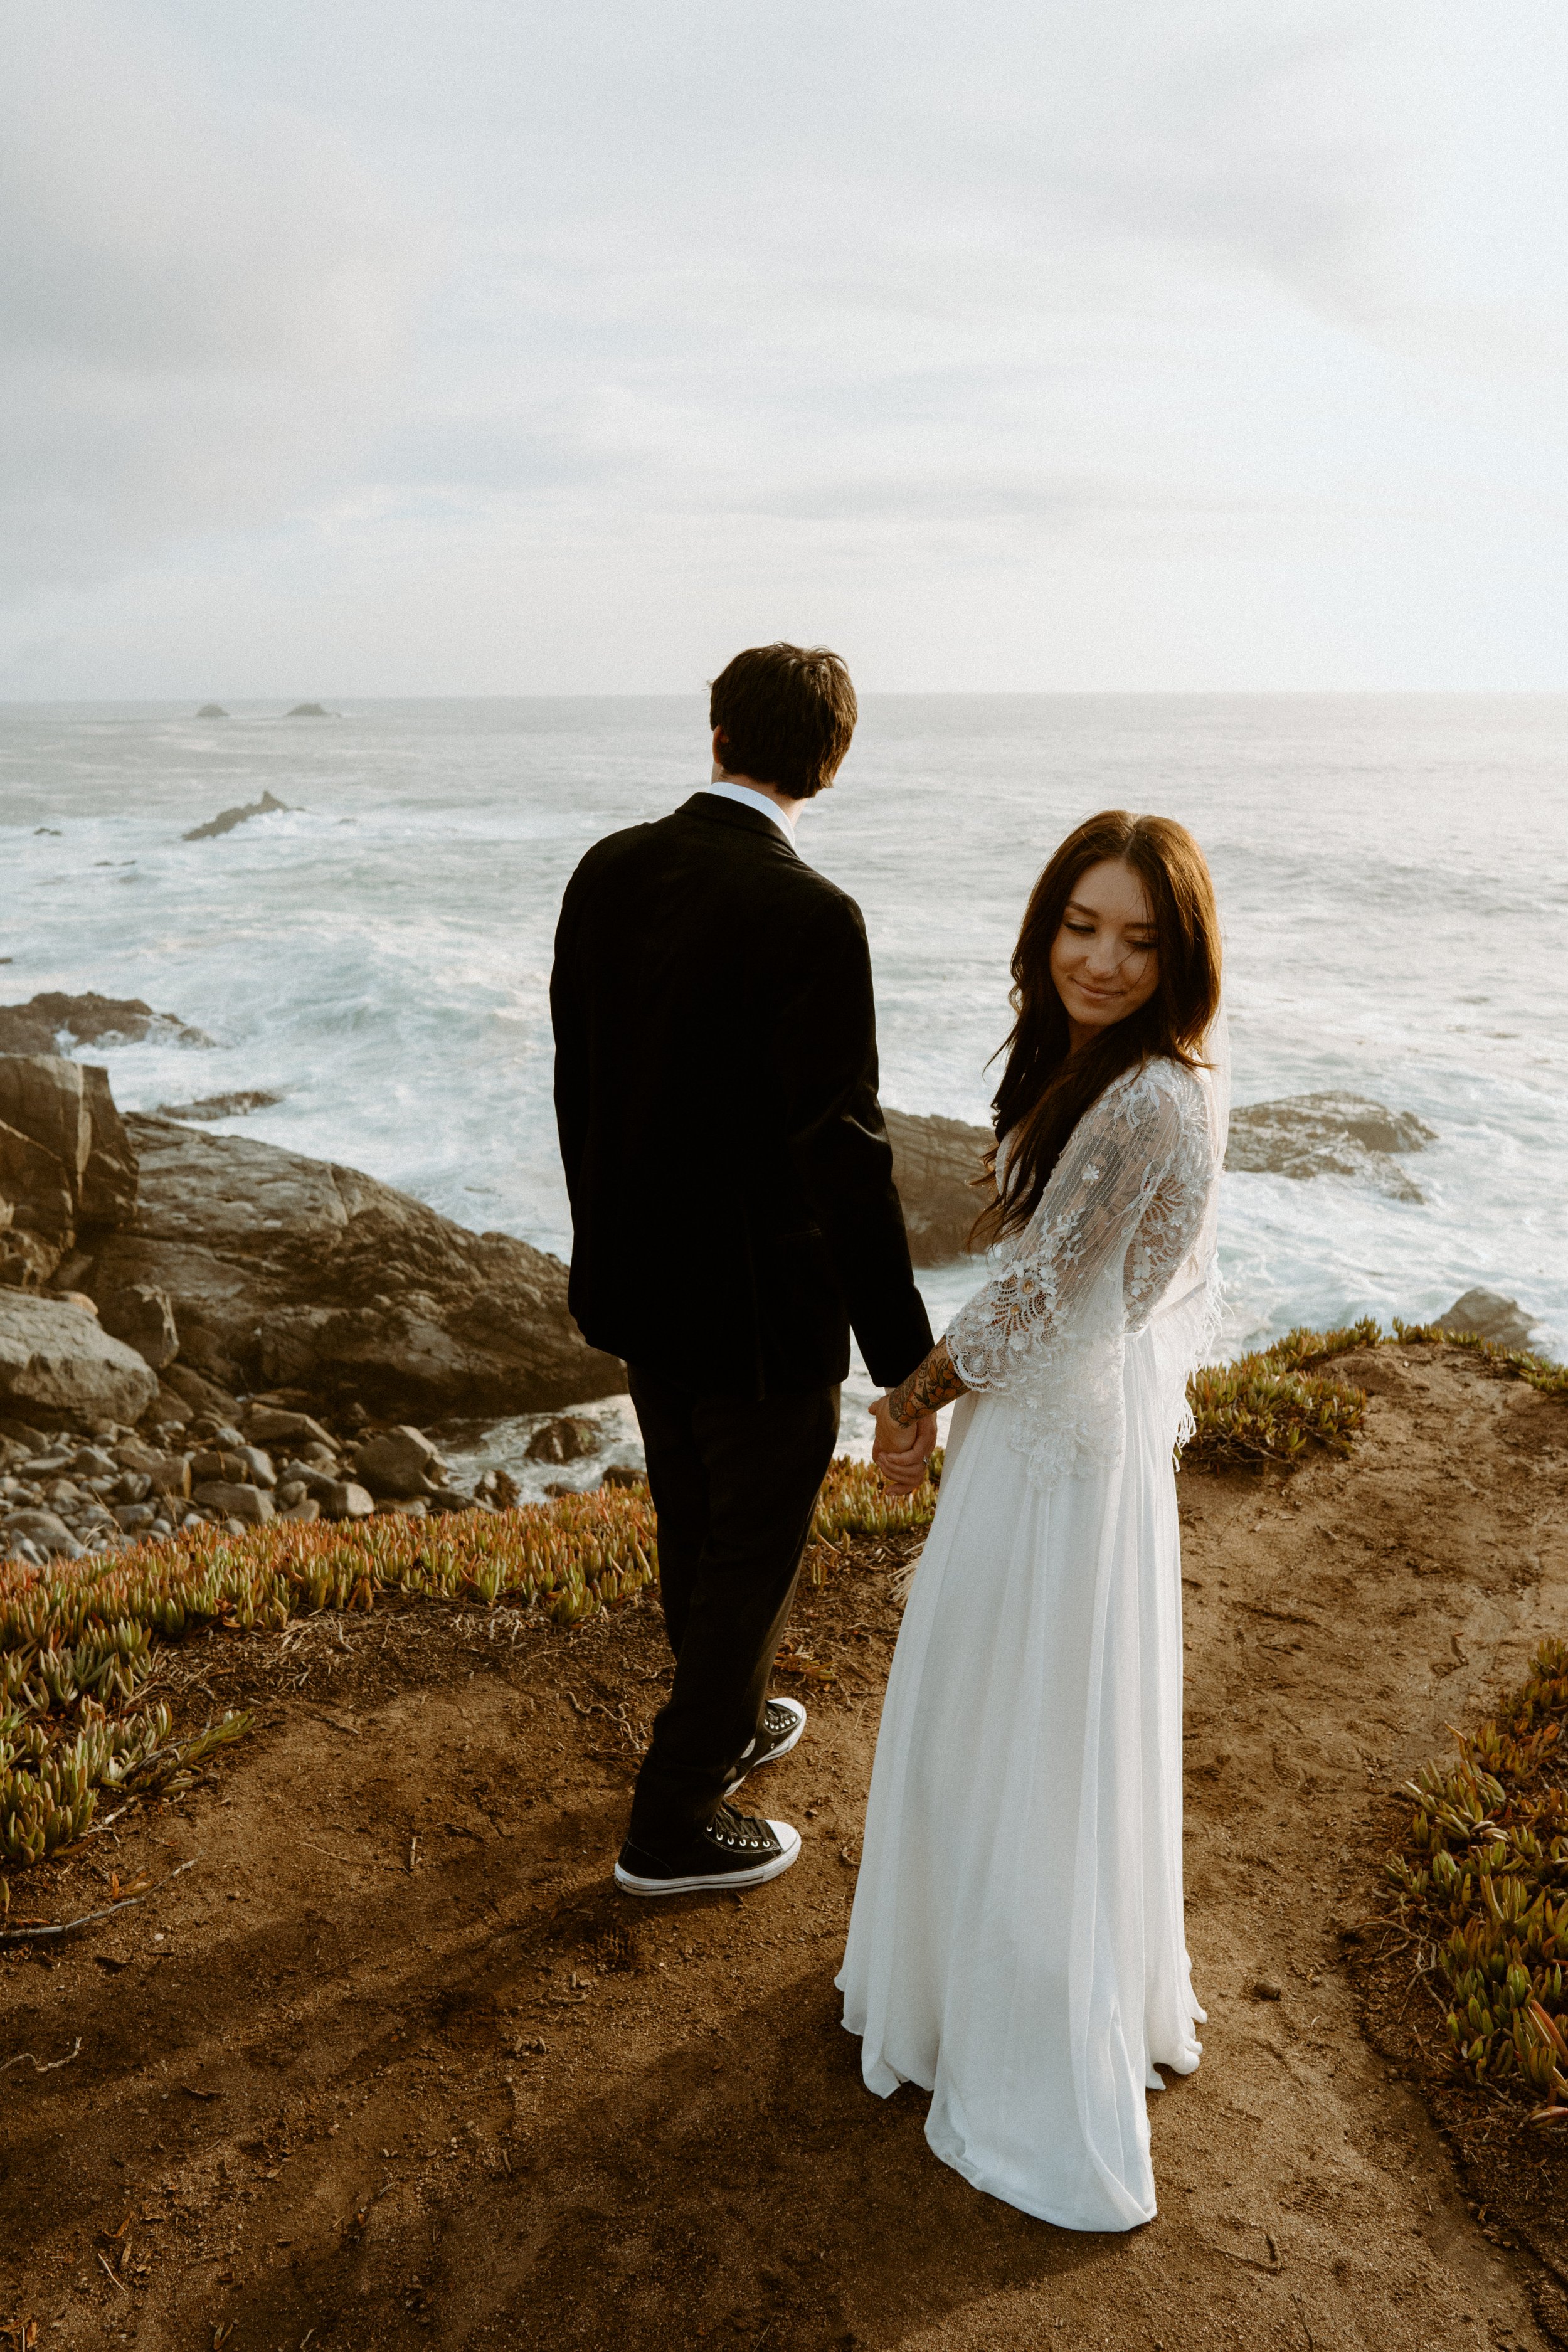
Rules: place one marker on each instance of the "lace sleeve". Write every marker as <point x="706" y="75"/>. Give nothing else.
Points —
<point x="1130" y="1188"/>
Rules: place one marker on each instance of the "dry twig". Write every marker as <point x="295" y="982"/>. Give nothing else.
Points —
<point x="66" y="1926"/>
<point x="38" y="2064"/>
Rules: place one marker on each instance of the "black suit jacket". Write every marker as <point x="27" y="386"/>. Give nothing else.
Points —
<point x="732" y="1202"/>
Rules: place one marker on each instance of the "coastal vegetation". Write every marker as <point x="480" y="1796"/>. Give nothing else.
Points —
<point x="1275" y="1404"/>
<point x="79" y="1640"/>
<point x="1503" y="1363"/>
<point x="384" y="1922"/>
<point x="1481" y="1885"/>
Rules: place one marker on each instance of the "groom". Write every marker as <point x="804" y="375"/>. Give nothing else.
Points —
<point x="733" y="1217"/>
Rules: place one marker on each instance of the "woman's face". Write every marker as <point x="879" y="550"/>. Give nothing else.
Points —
<point x="1105" y="957"/>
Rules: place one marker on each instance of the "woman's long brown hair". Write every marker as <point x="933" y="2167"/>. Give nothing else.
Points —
<point x="1046" y="1086"/>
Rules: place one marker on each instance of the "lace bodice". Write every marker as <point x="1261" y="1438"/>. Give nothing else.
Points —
<point x="1127" y="1207"/>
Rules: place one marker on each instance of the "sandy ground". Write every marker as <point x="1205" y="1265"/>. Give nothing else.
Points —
<point x="392" y="2063"/>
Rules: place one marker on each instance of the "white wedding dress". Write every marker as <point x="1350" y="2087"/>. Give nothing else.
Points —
<point x="1016" y="1945"/>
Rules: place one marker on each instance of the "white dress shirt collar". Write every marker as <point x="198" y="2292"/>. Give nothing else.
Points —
<point x="747" y="796"/>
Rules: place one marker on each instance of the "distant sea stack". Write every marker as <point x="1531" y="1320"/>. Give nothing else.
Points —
<point x="212" y="710"/>
<point x="309" y="711"/>
<point x="227" y="819"/>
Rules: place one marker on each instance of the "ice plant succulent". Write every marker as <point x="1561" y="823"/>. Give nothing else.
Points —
<point x="1503" y="1363"/>
<point x="1274" y="1405"/>
<point x="1481" y="1879"/>
<point x="77" y="1639"/>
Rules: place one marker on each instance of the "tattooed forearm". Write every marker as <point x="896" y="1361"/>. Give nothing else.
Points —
<point x="930" y="1385"/>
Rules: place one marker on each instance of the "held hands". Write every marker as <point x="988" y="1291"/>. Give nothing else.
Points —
<point x="906" y="1419"/>
<point x="902" y="1453"/>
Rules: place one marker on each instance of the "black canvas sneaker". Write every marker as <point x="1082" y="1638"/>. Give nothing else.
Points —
<point x="783" y="1721"/>
<point x="732" y="1850"/>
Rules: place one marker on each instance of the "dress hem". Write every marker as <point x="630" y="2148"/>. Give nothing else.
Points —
<point x="970" y="2169"/>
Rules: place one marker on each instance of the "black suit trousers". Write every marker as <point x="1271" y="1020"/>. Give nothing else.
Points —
<point x="734" y="1485"/>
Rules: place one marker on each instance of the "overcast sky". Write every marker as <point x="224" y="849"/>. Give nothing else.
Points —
<point x="487" y="347"/>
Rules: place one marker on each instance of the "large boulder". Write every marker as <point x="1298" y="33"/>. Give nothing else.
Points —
<point x="56" y="1360"/>
<point x="400" y="1462"/>
<point x="109" y="1181"/>
<point x="289" y="1273"/>
<point x="1332" y="1134"/>
<point x="935" y="1163"/>
<point x="234" y="1501"/>
<point x="66" y="1162"/>
<point x="48" y="1534"/>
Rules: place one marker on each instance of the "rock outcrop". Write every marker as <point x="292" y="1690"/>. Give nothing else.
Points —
<point x="56" y="1358"/>
<point x="309" y="711"/>
<point x="212" y="710"/>
<point x="66" y="1162"/>
<point x="935" y="1161"/>
<point x="1331" y="1134"/>
<point x="237" y="1104"/>
<point x="37" y="1027"/>
<point x="227" y="819"/>
<point x="1495" y="1317"/>
<point x="230" y="1266"/>
<point x="283" y="1272"/>
<point x="1335" y="1134"/>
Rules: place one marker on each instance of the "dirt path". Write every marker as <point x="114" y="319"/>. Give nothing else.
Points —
<point x="392" y="2063"/>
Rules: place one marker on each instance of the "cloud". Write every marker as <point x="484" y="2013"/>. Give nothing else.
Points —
<point x="303" y="313"/>
<point x="750" y="255"/>
<point x="201" y="302"/>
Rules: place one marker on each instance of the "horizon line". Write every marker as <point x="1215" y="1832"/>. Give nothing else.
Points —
<point x="252" y="702"/>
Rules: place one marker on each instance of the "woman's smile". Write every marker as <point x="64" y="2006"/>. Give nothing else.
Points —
<point x="1105" y="957"/>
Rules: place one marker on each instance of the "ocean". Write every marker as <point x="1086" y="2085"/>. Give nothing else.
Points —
<point x="1391" y="873"/>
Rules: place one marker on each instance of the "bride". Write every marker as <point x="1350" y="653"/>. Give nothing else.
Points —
<point x="1016" y="1945"/>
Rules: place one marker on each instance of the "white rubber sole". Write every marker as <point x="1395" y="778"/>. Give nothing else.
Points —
<point x="773" y="1754"/>
<point x="698" y="1882"/>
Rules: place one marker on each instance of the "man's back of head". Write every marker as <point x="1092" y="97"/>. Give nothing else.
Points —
<point x="783" y="716"/>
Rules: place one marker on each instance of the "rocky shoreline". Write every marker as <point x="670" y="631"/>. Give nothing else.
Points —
<point x="254" y="1270"/>
<point x="203" y="1326"/>
<point x="60" y="1498"/>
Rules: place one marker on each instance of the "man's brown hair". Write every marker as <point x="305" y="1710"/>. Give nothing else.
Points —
<point x="785" y="714"/>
